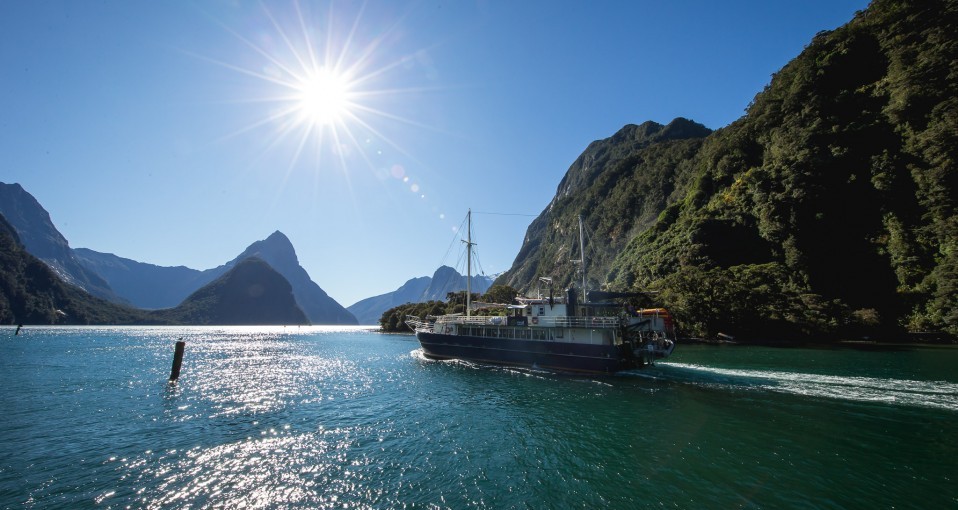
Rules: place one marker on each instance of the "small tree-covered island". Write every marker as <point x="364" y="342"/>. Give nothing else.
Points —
<point x="826" y="212"/>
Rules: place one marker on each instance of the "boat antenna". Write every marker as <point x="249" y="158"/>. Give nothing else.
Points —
<point x="469" y="245"/>
<point x="582" y="254"/>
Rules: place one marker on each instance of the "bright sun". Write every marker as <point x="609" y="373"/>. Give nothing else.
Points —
<point x="323" y="97"/>
<point x="322" y="93"/>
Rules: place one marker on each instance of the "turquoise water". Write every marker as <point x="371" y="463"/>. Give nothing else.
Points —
<point x="348" y="418"/>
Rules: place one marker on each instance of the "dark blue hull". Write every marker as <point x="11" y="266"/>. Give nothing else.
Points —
<point x="560" y="356"/>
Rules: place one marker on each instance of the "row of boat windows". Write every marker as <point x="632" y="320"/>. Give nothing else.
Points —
<point x="518" y="334"/>
<point x="544" y="334"/>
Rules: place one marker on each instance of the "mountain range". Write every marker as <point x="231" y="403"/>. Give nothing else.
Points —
<point x="417" y="290"/>
<point x="42" y="239"/>
<point x="829" y="210"/>
<point x="174" y="292"/>
<point x="31" y="292"/>
<point x="148" y="286"/>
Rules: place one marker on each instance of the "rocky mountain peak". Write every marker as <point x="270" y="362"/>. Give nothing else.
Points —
<point x="276" y="248"/>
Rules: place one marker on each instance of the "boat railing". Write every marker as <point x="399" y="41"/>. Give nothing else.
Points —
<point x="580" y="322"/>
<point x="547" y="321"/>
<point x="417" y="324"/>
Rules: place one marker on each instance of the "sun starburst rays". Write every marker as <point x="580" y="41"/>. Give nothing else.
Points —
<point x="322" y="93"/>
<point x="332" y="98"/>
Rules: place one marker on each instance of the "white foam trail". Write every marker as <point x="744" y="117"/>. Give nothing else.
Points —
<point x="937" y="394"/>
<point x="532" y="372"/>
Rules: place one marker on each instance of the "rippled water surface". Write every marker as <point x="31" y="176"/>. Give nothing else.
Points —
<point x="348" y="418"/>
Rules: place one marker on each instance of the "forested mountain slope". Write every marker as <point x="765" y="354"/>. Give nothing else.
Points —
<point x="620" y="185"/>
<point x="827" y="210"/>
<point x="32" y="293"/>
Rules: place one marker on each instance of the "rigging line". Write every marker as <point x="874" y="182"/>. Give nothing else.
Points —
<point x="504" y="214"/>
<point x="455" y="237"/>
<point x="475" y="259"/>
<point x="476" y="262"/>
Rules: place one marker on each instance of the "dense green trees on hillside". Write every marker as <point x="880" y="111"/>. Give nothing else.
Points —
<point x="842" y="174"/>
<point x="31" y="293"/>
<point x="620" y="185"/>
<point x="502" y="294"/>
<point x="393" y="320"/>
<point x="828" y="210"/>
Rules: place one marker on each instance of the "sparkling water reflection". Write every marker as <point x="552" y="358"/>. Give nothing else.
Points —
<point x="348" y="418"/>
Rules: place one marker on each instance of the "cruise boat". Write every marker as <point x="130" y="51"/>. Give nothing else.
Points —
<point x="595" y="334"/>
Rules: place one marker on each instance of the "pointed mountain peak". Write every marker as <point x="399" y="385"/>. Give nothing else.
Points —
<point x="446" y="273"/>
<point x="276" y="249"/>
<point x="278" y="238"/>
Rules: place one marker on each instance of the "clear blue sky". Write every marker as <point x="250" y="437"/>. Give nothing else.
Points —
<point x="178" y="133"/>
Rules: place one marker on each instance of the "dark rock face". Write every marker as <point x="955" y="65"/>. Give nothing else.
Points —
<point x="151" y="286"/>
<point x="279" y="253"/>
<point x="251" y="293"/>
<point x="42" y="239"/>
<point x="31" y="293"/>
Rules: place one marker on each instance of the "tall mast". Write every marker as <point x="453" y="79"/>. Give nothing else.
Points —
<point x="469" y="264"/>
<point x="582" y="254"/>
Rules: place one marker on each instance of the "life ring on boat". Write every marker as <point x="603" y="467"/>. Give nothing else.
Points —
<point x="535" y="320"/>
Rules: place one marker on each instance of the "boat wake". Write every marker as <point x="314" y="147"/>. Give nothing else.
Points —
<point x="533" y="371"/>
<point x="933" y="394"/>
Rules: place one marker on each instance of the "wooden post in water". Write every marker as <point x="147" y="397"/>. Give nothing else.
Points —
<point x="177" y="360"/>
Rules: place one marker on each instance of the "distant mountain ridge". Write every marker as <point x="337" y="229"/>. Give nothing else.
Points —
<point x="417" y="290"/>
<point x="42" y="239"/>
<point x="250" y="293"/>
<point x="145" y="285"/>
<point x="31" y="293"/>
<point x="149" y="286"/>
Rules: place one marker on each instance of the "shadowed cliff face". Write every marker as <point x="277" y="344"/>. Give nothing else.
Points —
<point x="251" y="293"/>
<point x="42" y="239"/>
<point x="32" y="223"/>
<point x="31" y="293"/>
<point x="151" y="286"/>
<point x="620" y="185"/>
